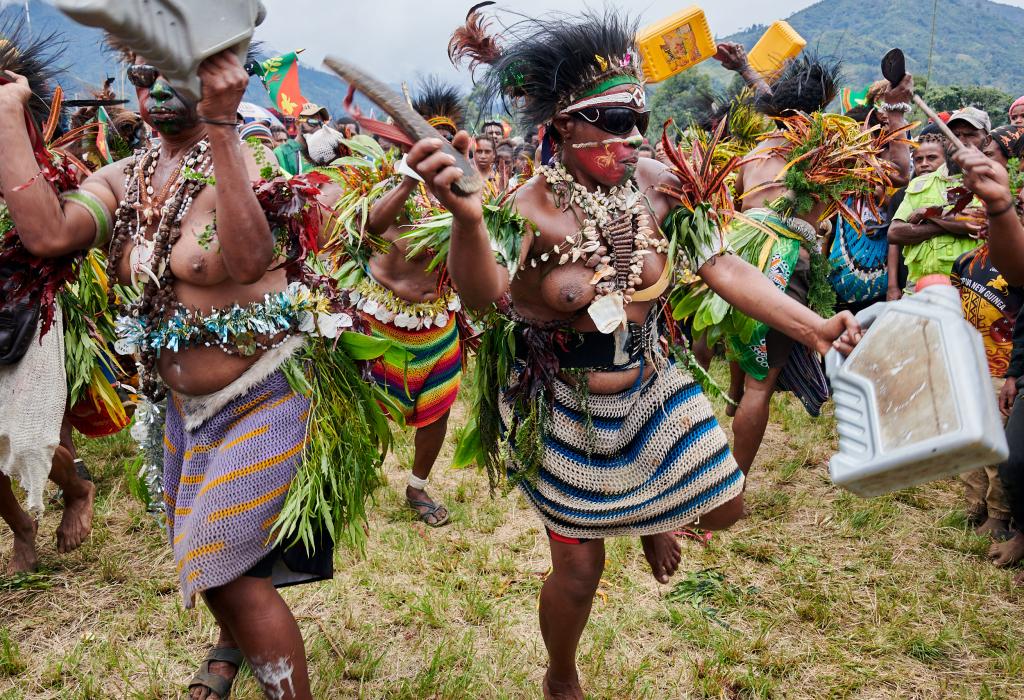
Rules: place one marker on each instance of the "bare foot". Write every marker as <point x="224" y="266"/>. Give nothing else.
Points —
<point x="24" y="558"/>
<point x="663" y="554"/>
<point x="994" y="528"/>
<point x="432" y="514"/>
<point x="219" y="668"/>
<point x="76" y="524"/>
<point x="1007" y="553"/>
<point x="561" y="690"/>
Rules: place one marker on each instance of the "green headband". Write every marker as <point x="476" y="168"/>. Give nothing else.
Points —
<point x="609" y="83"/>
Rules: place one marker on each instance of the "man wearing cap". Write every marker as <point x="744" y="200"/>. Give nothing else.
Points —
<point x="931" y="244"/>
<point x="293" y="155"/>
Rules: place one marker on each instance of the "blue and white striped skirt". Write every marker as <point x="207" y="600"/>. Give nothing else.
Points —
<point x="655" y="460"/>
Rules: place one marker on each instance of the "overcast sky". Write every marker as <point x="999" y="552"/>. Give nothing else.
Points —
<point x="398" y="39"/>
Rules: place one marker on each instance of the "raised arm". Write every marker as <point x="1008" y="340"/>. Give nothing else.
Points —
<point x="734" y="57"/>
<point x="746" y="288"/>
<point x="895" y="106"/>
<point x="387" y="209"/>
<point x="991" y="183"/>
<point x="247" y="246"/>
<point x="479" y="279"/>
<point x="48" y="227"/>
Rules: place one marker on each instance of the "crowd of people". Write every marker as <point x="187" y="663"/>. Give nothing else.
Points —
<point x="265" y="294"/>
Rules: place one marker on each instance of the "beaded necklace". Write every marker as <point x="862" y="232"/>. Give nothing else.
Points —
<point x="150" y="257"/>
<point x="616" y="235"/>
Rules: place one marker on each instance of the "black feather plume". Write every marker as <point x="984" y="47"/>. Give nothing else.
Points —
<point x="435" y="98"/>
<point x="37" y="57"/>
<point x="806" y="84"/>
<point x="546" y="62"/>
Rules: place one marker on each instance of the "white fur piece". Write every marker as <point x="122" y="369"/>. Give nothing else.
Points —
<point x="33" y="394"/>
<point x="196" y="410"/>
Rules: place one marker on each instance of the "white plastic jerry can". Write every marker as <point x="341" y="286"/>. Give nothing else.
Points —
<point x="173" y="35"/>
<point x="914" y="401"/>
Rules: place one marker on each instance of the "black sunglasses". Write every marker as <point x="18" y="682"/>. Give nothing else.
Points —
<point x="142" y="76"/>
<point x="618" y="121"/>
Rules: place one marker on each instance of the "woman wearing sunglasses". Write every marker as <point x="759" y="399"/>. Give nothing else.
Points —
<point x="185" y="227"/>
<point x="603" y="433"/>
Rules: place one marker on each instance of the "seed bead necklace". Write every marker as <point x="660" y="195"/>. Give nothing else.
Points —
<point x="133" y="218"/>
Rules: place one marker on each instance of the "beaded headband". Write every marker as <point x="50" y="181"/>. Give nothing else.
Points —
<point x="634" y="99"/>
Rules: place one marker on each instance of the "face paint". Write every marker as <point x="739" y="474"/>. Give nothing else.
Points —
<point x="634" y="141"/>
<point x="610" y="162"/>
<point x="165" y="110"/>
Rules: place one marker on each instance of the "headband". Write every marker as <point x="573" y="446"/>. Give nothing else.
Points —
<point x="442" y="121"/>
<point x="633" y="99"/>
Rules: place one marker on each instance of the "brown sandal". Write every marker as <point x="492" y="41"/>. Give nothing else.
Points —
<point x="216" y="683"/>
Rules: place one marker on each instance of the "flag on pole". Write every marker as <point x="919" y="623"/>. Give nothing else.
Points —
<point x="851" y="98"/>
<point x="102" y="145"/>
<point x="281" y="78"/>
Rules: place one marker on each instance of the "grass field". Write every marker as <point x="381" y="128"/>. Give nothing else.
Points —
<point x="817" y="594"/>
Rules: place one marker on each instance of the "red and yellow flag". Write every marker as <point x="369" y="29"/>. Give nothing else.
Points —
<point x="281" y="78"/>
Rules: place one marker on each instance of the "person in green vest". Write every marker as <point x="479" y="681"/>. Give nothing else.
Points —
<point x="293" y="154"/>
<point x="931" y="244"/>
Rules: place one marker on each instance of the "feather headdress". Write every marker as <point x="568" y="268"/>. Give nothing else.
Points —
<point x="806" y="84"/>
<point x="547" y="64"/>
<point x="439" y="103"/>
<point x="36" y="57"/>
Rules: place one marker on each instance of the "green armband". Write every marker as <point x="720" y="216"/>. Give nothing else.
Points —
<point x="97" y="210"/>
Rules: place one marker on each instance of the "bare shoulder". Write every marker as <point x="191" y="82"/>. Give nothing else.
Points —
<point x="257" y="157"/>
<point x="532" y="197"/>
<point x="651" y="172"/>
<point x="107" y="183"/>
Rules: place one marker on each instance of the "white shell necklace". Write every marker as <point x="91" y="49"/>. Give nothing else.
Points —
<point x="615" y="238"/>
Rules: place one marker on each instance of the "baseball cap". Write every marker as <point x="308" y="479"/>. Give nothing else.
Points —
<point x="311" y="109"/>
<point x="978" y="118"/>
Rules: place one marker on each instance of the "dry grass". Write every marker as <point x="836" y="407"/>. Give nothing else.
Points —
<point x="816" y="595"/>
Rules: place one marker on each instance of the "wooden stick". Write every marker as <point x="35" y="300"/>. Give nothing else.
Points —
<point x="946" y="131"/>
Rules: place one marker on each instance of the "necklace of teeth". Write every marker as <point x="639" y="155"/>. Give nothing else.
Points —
<point x="616" y="236"/>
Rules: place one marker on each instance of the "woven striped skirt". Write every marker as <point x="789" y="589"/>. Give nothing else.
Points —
<point x="654" y="461"/>
<point x="427" y="386"/>
<point x="225" y="482"/>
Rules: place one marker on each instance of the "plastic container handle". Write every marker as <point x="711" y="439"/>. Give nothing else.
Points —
<point x="834" y="360"/>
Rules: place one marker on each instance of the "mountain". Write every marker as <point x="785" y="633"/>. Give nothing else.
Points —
<point x="87" y="61"/>
<point x="975" y="40"/>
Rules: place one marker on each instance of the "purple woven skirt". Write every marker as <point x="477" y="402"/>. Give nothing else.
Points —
<point x="225" y="483"/>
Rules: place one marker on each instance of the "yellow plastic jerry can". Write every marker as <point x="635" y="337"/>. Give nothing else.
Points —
<point x="675" y="43"/>
<point x="778" y="45"/>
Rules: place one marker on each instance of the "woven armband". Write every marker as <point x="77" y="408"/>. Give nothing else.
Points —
<point x="97" y="210"/>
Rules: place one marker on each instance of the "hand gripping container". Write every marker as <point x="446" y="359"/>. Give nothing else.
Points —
<point x="914" y="400"/>
<point x="778" y="45"/>
<point x="675" y="44"/>
<point x="174" y="35"/>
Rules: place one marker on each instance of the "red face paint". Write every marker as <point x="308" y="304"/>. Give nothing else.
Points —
<point x="610" y="162"/>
